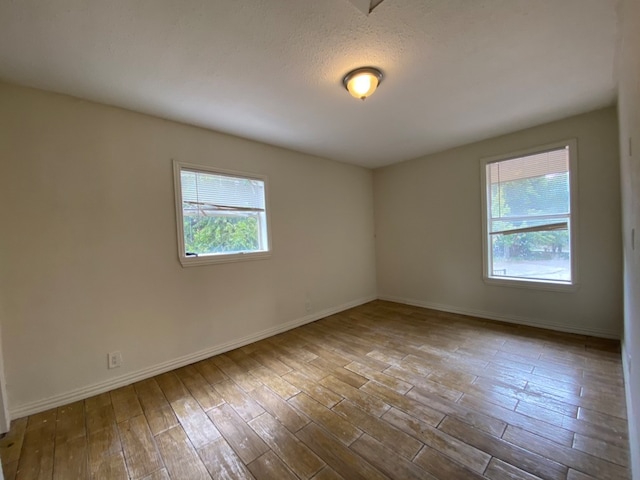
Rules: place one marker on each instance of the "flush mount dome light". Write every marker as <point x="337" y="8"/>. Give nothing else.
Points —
<point x="362" y="82"/>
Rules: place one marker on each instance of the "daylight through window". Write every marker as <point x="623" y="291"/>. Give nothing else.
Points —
<point x="529" y="217"/>
<point x="222" y="216"/>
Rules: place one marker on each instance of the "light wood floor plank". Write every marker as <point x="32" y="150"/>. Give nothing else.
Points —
<point x="302" y="461"/>
<point x="385" y="433"/>
<point x="71" y="459"/>
<point x="150" y="395"/>
<point x="460" y="451"/>
<point x="369" y="403"/>
<point x="111" y="468"/>
<point x="97" y="401"/>
<point x="575" y="459"/>
<point x="199" y="388"/>
<point x="36" y="456"/>
<point x="161" y="419"/>
<point x="140" y="451"/>
<point x="278" y="408"/>
<point x="222" y="462"/>
<point x="159" y="475"/>
<point x="337" y="456"/>
<point x="499" y="470"/>
<point x="319" y="393"/>
<point x="328" y="473"/>
<point x="244" y="441"/>
<point x="384" y="460"/>
<point x="210" y="371"/>
<point x="125" y="403"/>
<point x="331" y="421"/>
<point x="11" y="443"/>
<point x="99" y="418"/>
<point x="180" y="458"/>
<point x="172" y="387"/>
<point x="239" y="400"/>
<point x="270" y="467"/>
<point x="195" y="422"/>
<point x="103" y="445"/>
<point x="519" y="457"/>
<point x="441" y="466"/>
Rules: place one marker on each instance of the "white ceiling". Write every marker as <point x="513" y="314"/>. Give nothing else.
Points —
<point x="456" y="71"/>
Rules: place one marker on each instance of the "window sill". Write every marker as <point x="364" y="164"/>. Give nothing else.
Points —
<point x="229" y="258"/>
<point x="531" y="284"/>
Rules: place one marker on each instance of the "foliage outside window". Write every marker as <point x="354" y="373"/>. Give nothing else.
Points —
<point x="222" y="216"/>
<point x="529" y="218"/>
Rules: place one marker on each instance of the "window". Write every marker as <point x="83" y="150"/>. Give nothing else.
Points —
<point x="530" y="217"/>
<point x="221" y="216"/>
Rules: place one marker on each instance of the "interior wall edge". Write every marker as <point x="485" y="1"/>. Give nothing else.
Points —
<point x="513" y="319"/>
<point x="634" y="445"/>
<point x="38" y="406"/>
<point x="634" y="442"/>
<point x="5" y="416"/>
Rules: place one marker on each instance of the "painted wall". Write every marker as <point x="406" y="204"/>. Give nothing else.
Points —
<point x="88" y="251"/>
<point x="629" y="113"/>
<point x="429" y="240"/>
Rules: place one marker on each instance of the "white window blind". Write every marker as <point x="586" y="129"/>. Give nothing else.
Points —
<point x="206" y="192"/>
<point x="539" y="192"/>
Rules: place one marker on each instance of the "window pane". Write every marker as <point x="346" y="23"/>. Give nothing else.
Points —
<point x="535" y="255"/>
<point x="212" y="189"/>
<point x="222" y="214"/>
<point x="221" y="234"/>
<point x="530" y="186"/>
<point x="529" y="210"/>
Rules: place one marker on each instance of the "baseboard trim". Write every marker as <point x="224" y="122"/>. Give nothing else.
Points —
<point x="634" y="434"/>
<point x="101" y="387"/>
<point x="530" y="322"/>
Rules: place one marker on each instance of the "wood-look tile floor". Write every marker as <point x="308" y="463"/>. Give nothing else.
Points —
<point x="380" y="391"/>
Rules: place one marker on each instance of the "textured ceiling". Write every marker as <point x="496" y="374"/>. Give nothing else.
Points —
<point x="456" y="71"/>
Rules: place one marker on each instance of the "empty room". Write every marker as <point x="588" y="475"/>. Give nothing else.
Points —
<point x="316" y="240"/>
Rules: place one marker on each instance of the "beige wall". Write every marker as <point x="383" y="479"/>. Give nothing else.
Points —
<point x="629" y="111"/>
<point x="429" y="240"/>
<point x="88" y="250"/>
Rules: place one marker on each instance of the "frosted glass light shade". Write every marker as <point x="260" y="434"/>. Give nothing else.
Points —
<point x="362" y="82"/>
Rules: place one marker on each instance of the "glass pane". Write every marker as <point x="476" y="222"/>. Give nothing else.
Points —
<point x="532" y="185"/>
<point x="207" y="189"/>
<point x="547" y="195"/>
<point x="207" y="235"/>
<point x="533" y="255"/>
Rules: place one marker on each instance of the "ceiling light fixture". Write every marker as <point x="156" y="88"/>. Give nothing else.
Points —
<point x="362" y="82"/>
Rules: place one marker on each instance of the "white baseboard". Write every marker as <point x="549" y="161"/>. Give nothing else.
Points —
<point x="101" y="387"/>
<point x="531" y="322"/>
<point x="634" y="434"/>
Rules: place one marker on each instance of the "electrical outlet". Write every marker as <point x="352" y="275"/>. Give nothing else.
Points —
<point x="307" y="305"/>
<point x="114" y="359"/>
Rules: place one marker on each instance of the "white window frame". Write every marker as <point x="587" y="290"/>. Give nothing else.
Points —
<point x="190" y="261"/>
<point x="487" y="275"/>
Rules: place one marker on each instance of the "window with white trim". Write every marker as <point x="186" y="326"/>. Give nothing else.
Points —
<point x="529" y="213"/>
<point x="221" y="215"/>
